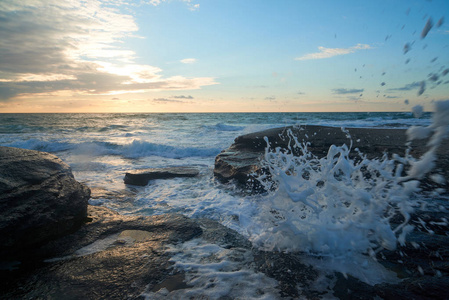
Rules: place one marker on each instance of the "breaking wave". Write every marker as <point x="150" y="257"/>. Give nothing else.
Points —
<point x="337" y="205"/>
<point x="135" y="149"/>
<point x="224" y="127"/>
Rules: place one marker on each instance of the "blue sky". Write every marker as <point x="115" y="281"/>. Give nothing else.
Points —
<point x="222" y="55"/>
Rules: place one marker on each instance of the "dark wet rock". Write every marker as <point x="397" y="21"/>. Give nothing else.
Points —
<point x="243" y="158"/>
<point x="121" y="198"/>
<point x="141" y="177"/>
<point x="39" y="200"/>
<point x="223" y="236"/>
<point x="293" y="275"/>
<point x="122" y="195"/>
<point x="122" y="256"/>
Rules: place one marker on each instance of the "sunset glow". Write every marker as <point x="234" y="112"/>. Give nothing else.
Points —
<point x="222" y="56"/>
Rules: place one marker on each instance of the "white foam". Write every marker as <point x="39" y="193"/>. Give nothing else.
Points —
<point x="360" y="266"/>
<point x="213" y="272"/>
<point x="418" y="110"/>
<point x="331" y="206"/>
<point x="341" y="208"/>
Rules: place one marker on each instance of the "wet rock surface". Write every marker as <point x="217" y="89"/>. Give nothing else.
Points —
<point x="141" y="177"/>
<point x="243" y="158"/>
<point x="122" y="257"/>
<point x="39" y="200"/>
<point x="110" y="257"/>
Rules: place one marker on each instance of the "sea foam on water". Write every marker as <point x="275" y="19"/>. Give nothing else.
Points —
<point x="339" y="206"/>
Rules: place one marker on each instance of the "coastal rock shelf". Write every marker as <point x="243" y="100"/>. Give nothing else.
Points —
<point x="243" y="158"/>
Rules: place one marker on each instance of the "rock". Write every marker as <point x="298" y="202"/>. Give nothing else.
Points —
<point x="123" y="198"/>
<point x="110" y="257"/>
<point x="141" y="177"/>
<point x="293" y="275"/>
<point x="122" y="257"/>
<point x="243" y="158"/>
<point x="39" y="200"/>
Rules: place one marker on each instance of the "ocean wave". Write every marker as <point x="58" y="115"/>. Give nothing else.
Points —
<point x="224" y="127"/>
<point x="113" y="127"/>
<point x="39" y="145"/>
<point x="135" y="149"/>
<point x="141" y="149"/>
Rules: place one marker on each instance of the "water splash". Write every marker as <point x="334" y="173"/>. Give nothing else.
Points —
<point x="338" y="205"/>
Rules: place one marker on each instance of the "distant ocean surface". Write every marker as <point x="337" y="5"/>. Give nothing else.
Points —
<point x="101" y="148"/>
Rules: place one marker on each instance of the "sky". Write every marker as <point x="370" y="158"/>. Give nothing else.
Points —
<point x="222" y="55"/>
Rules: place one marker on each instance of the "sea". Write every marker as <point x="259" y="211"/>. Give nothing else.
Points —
<point x="101" y="148"/>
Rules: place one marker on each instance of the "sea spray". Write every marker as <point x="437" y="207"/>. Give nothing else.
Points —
<point x="339" y="206"/>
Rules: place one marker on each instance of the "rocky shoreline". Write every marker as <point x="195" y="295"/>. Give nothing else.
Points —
<point x="95" y="253"/>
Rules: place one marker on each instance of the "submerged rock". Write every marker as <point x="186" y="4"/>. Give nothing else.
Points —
<point x="39" y="200"/>
<point x="141" y="177"/>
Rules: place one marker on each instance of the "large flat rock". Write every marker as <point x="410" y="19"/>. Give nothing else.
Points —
<point x="243" y="157"/>
<point x="143" y="176"/>
<point x="39" y="199"/>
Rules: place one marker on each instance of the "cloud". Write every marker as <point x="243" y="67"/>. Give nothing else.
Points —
<point x="190" y="5"/>
<point x="188" y="60"/>
<point x="165" y="100"/>
<point x="353" y="98"/>
<point x="407" y="87"/>
<point x="270" y="98"/>
<point x="330" y="52"/>
<point x="347" y="91"/>
<point x="183" y="97"/>
<point x="48" y="47"/>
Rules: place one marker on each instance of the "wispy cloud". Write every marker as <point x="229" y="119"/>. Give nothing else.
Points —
<point x="165" y="100"/>
<point x="192" y="6"/>
<point x="49" y="47"/>
<point x="188" y="60"/>
<point x="183" y="97"/>
<point x="330" y="52"/>
<point x="347" y="91"/>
